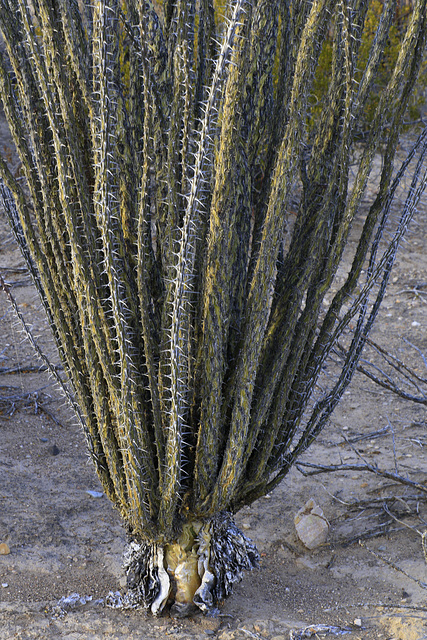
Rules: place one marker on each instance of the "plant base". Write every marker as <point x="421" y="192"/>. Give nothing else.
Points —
<point x="195" y="573"/>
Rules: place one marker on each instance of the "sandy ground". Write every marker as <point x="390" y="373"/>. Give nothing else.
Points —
<point x="64" y="540"/>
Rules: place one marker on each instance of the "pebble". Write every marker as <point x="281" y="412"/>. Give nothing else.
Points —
<point x="54" y="450"/>
<point x="95" y="494"/>
<point x="4" y="549"/>
<point x="311" y="525"/>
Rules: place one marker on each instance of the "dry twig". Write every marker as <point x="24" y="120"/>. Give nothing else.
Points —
<point x="393" y="565"/>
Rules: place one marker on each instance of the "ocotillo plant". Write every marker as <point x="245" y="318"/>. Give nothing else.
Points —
<point x="163" y="149"/>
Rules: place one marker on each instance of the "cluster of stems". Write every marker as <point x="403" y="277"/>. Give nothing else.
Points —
<point x="184" y="220"/>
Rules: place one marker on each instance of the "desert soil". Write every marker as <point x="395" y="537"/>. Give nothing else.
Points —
<point x="62" y="540"/>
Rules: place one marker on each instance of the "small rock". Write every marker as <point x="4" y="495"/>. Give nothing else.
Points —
<point x="4" y="585"/>
<point x="4" y="549"/>
<point x="357" y="622"/>
<point x="311" y="525"/>
<point x="54" y="450"/>
<point x="95" y="494"/>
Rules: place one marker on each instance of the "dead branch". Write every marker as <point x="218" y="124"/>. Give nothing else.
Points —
<point x="364" y="466"/>
<point x="393" y="565"/>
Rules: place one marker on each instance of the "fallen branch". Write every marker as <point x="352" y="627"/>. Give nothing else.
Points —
<point x="13" y="399"/>
<point x="20" y="369"/>
<point x="394" y="566"/>
<point x="5" y="270"/>
<point x="370" y="436"/>
<point x="314" y="629"/>
<point x="376" y="532"/>
<point x="364" y="466"/>
<point x="400" y="606"/>
<point x="384" y="379"/>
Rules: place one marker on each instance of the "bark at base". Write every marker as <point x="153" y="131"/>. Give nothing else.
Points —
<point x="196" y="572"/>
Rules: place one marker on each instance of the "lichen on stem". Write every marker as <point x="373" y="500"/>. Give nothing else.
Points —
<point x="165" y="148"/>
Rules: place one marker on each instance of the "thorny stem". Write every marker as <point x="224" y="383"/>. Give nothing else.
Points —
<point x="160" y="162"/>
